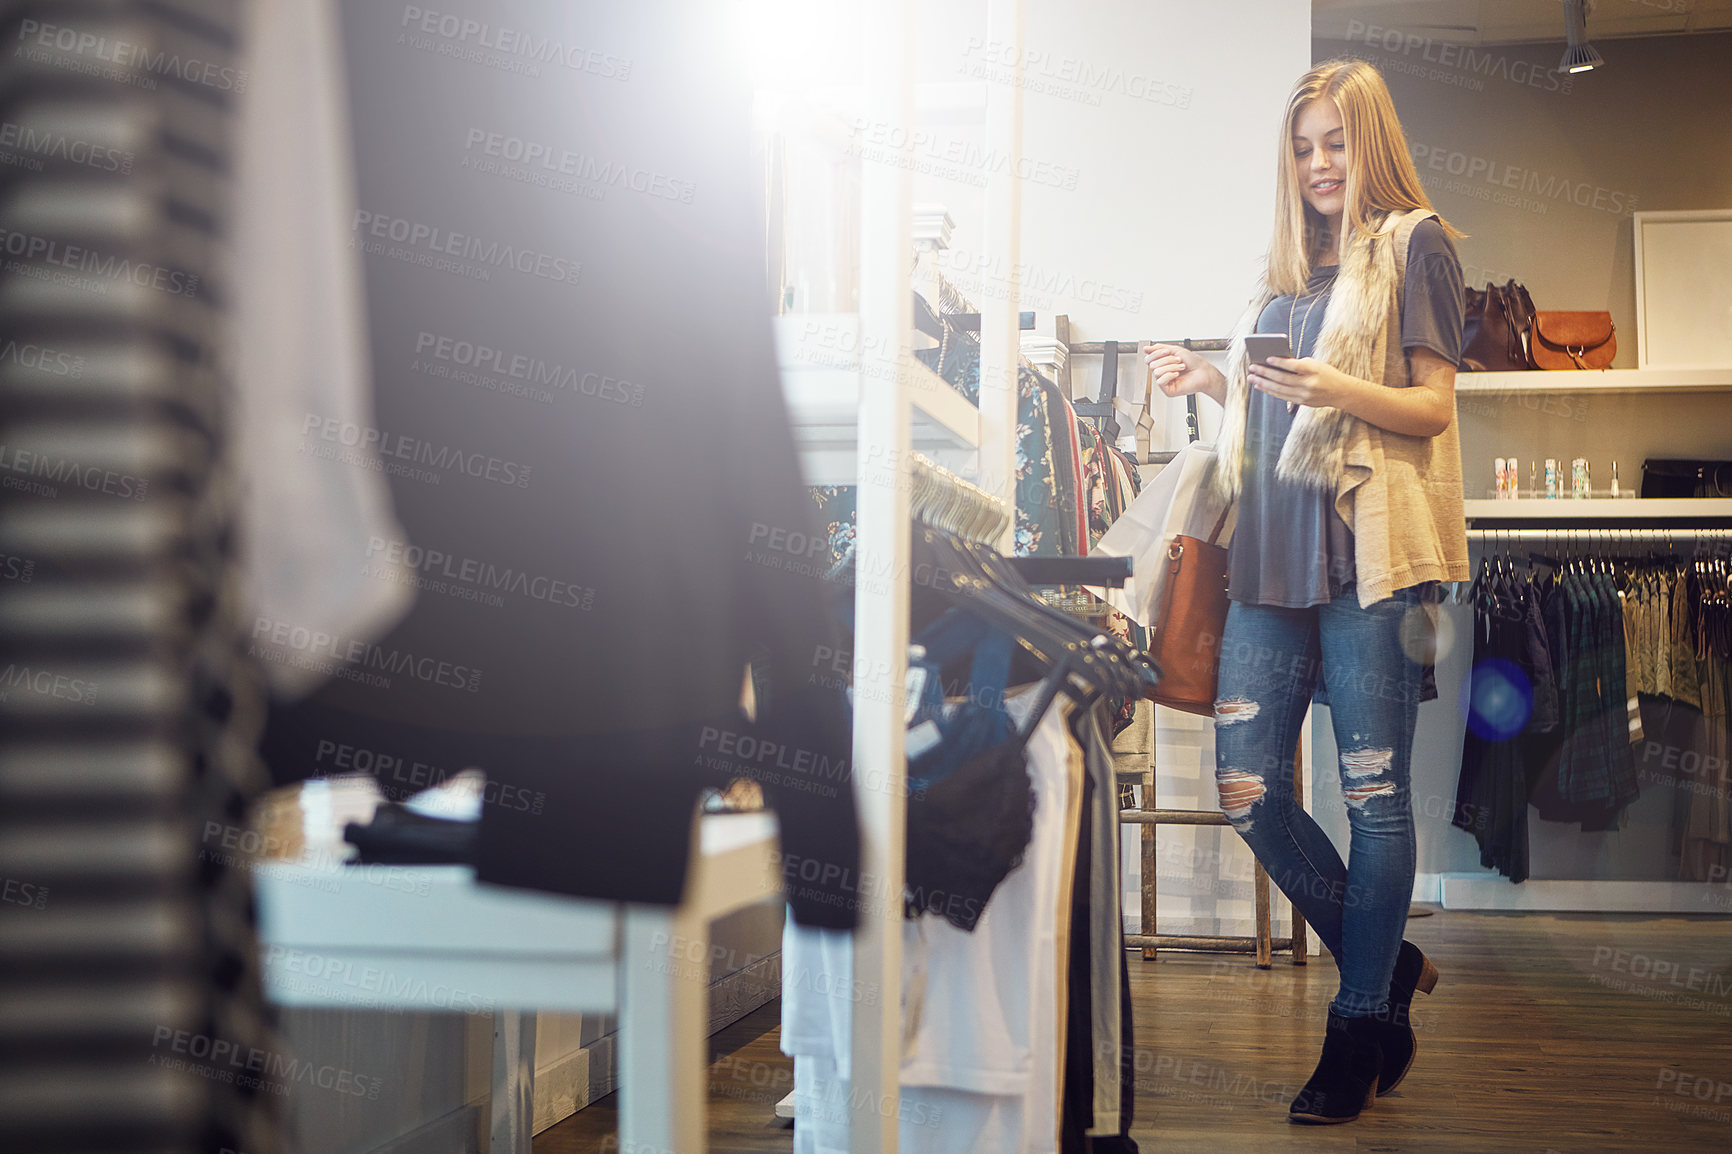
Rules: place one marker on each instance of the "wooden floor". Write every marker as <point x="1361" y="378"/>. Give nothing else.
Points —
<point x="1548" y="1034"/>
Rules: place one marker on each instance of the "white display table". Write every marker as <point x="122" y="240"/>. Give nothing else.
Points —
<point x="431" y="938"/>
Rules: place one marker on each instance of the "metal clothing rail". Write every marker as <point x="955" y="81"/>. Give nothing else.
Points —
<point x="1101" y="569"/>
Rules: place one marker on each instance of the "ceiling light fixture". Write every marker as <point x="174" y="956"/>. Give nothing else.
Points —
<point x="1580" y="56"/>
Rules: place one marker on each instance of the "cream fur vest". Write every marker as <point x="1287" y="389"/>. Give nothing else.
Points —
<point x="1401" y="495"/>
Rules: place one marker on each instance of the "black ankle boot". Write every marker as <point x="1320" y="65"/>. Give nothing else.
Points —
<point x="1413" y="971"/>
<point x="1345" y="1081"/>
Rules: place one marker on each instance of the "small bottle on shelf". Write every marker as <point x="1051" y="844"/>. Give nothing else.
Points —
<point x="1500" y="479"/>
<point x="1615" y="492"/>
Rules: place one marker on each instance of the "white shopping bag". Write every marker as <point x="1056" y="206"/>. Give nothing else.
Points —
<point x="1179" y="501"/>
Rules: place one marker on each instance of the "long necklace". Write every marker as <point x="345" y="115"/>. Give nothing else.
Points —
<point x="1294" y="341"/>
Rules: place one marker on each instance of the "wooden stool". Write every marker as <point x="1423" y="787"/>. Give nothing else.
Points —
<point x="1262" y="944"/>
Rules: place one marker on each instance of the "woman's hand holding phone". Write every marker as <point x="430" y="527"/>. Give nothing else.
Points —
<point x="1298" y="381"/>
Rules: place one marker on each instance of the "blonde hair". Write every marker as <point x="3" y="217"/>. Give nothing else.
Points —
<point x="1381" y="178"/>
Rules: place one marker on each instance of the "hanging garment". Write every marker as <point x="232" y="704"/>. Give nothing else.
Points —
<point x="1636" y="665"/>
<point x="1660" y="626"/>
<point x="1686" y="681"/>
<point x="957" y="360"/>
<point x="1618" y="685"/>
<point x="1096" y="471"/>
<point x="1097" y="1100"/>
<point x="314" y="523"/>
<point x="129" y="710"/>
<point x="838" y="520"/>
<point x="603" y="546"/>
<point x="1129" y="482"/>
<point x="970" y="801"/>
<point x="1492" y="793"/>
<point x="1705" y="832"/>
<point x="980" y="1067"/>
<point x="1548" y="716"/>
<point x="1537" y="657"/>
<point x="1104" y="505"/>
<point x="1705" y="789"/>
<point x="1045" y="491"/>
<point x="1078" y="501"/>
<point x="1582" y="770"/>
<point x="1593" y="778"/>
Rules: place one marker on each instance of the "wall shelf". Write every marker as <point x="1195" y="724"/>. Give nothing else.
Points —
<point x="1624" y="510"/>
<point x="1601" y="381"/>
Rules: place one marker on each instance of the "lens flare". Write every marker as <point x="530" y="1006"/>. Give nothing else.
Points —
<point x="1500" y="700"/>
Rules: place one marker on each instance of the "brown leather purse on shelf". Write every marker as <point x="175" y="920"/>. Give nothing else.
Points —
<point x="1185" y="639"/>
<point x="1495" y="328"/>
<point x="1564" y="340"/>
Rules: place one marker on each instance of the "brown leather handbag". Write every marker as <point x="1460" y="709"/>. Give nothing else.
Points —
<point x="1185" y="640"/>
<point x="1495" y="328"/>
<point x="1563" y="340"/>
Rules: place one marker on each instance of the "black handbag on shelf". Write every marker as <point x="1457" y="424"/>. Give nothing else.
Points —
<point x="1496" y="327"/>
<point x="1686" y="478"/>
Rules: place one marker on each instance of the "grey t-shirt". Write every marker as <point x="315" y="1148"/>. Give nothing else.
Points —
<point x="1291" y="547"/>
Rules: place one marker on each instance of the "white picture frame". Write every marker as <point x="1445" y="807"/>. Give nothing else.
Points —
<point x="1683" y="263"/>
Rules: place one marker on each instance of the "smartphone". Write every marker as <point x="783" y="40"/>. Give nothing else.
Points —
<point x="1259" y="347"/>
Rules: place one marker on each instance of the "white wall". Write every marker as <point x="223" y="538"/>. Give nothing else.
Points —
<point x="1149" y="131"/>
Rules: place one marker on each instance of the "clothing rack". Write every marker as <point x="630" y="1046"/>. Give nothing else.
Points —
<point x="1102" y="407"/>
<point x="1097" y="570"/>
<point x="1600" y="525"/>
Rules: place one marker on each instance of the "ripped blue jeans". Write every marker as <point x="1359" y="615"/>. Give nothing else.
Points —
<point x="1271" y="658"/>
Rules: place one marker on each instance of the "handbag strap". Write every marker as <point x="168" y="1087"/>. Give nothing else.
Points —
<point x="1519" y="311"/>
<point x="1145" y="418"/>
<point x="1191" y="426"/>
<point x="1215" y="533"/>
<point x="1109" y="389"/>
<point x="1708" y="482"/>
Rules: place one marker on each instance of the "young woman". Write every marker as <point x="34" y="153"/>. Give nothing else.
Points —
<point x="1347" y="469"/>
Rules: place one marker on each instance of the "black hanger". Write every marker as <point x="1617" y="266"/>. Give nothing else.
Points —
<point x="1102" y="408"/>
<point x="981" y="580"/>
<point x="1079" y="661"/>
